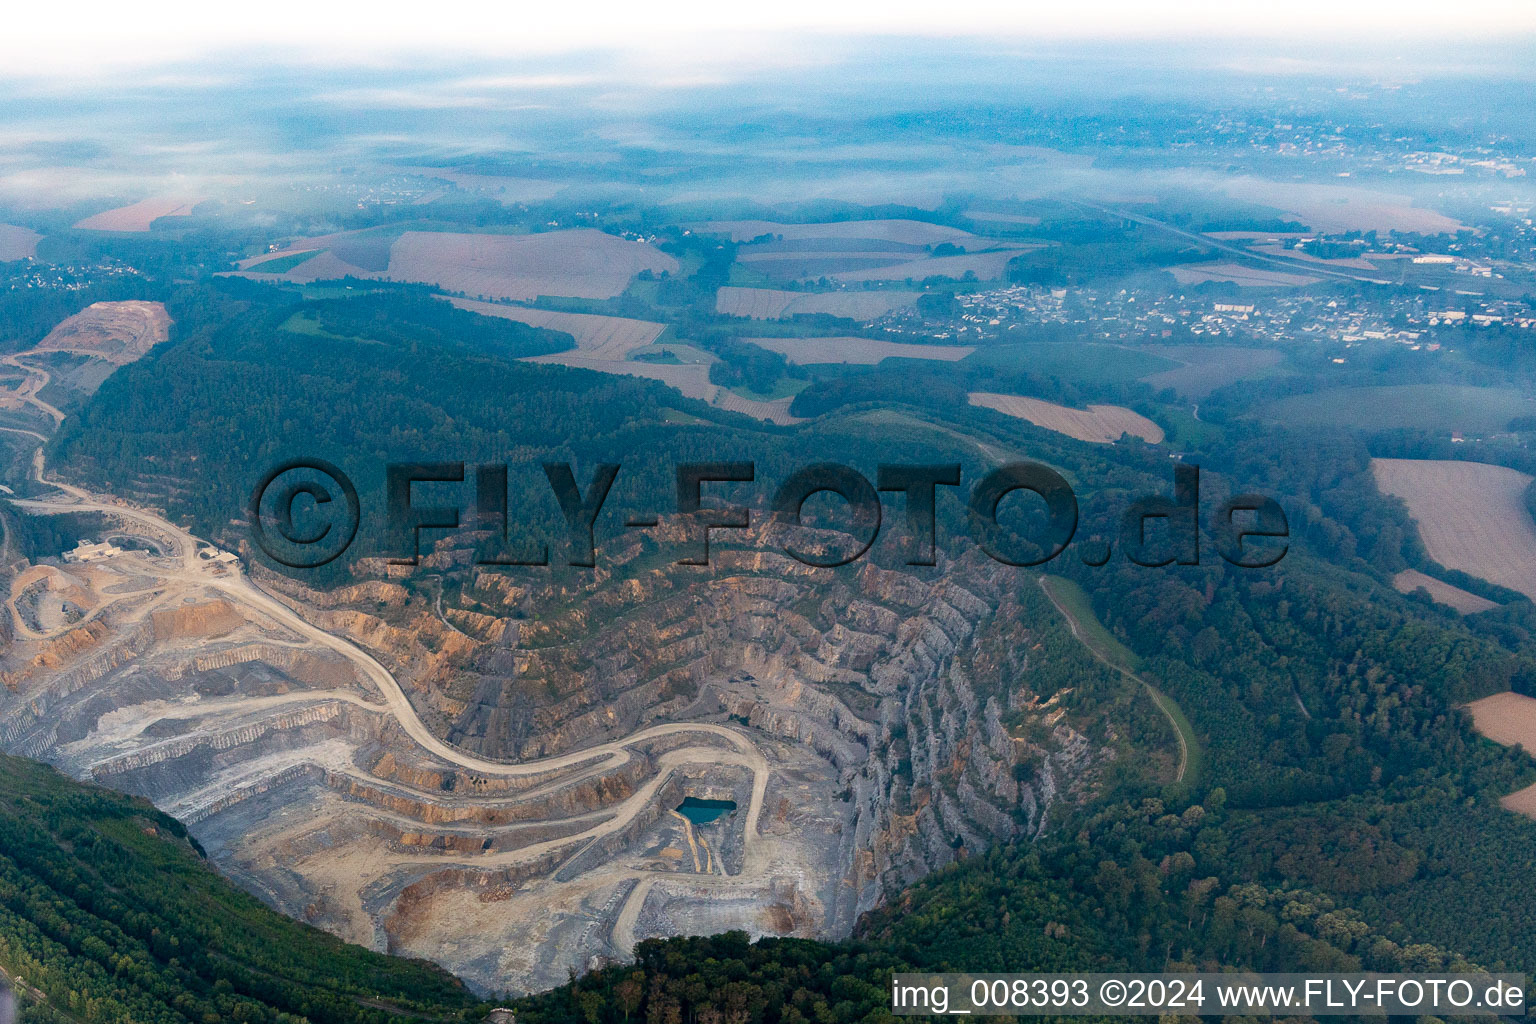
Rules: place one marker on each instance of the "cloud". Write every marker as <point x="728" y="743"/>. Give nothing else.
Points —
<point x="107" y="37"/>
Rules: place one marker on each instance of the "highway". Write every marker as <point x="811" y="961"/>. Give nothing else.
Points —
<point x="1280" y="262"/>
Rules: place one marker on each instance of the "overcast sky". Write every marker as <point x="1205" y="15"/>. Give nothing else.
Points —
<point x="93" y="37"/>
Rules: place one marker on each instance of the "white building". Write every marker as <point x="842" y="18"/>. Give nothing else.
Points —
<point x="85" y="551"/>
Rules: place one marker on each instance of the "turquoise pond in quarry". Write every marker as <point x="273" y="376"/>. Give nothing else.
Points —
<point x="702" y="812"/>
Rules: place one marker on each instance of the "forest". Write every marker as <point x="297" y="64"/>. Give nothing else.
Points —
<point x="108" y="913"/>
<point x="1141" y="886"/>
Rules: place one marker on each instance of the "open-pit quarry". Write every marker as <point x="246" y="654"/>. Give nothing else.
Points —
<point x="486" y="770"/>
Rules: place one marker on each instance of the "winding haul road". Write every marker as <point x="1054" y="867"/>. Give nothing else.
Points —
<point x="232" y="582"/>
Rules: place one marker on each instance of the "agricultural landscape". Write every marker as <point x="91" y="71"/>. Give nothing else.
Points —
<point x="1471" y="516"/>
<point x="1098" y="424"/>
<point x="591" y="716"/>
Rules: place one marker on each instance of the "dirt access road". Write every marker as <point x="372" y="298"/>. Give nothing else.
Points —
<point x="233" y="583"/>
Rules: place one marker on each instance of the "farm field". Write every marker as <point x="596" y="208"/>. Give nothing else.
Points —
<point x="692" y="379"/>
<point x="987" y="266"/>
<point x="784" y="387"/>
<point x="1442" y="407"/>
<point x="17" y="243"/>
<point x="367" y="250"/>
<point x="1409" y="580"/>
<point x="794" y="265"/>
<point x="139" y="216"/>
<point x="597" y="337"/>
<point x="604" y="343"/>
<point x="281" y="262"/>
<point x="1208" y="367"/>
<point x="986" y="217"/>
<point x="774" y="304"/>
<point x="254" y="263"/>
<point x="584" y="263"/>
<point x="1471" y="516"/>
<point x="118" y="332"/>
<point x="863" y="250"/>
<point x="776" y="411"/>
<point x="1340" y="208"/>
<point x="1076" y="361"/>
<point x="1522" y="801"/>
<point x="906" y="232"/>
<point x="326" y="257"/>
<point x="325" y="265"/>
<point x="1240" y="275"/>
<point x="1509" y="719"/>
<point x="581" y="263"/>
<point x="1099" y="424"/>
<point x="862" y="351"/>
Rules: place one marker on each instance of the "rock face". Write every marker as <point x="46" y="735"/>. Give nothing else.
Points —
<point x="197" y="621"/>
<point x="514" y="813"/>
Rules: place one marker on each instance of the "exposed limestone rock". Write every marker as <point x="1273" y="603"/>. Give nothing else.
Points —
<point x="193" y="621"/>
<point x="875" y="724"/>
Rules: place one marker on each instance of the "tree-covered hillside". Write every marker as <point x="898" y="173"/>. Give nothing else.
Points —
<point x="1143" y="886"/>
<point x="108" y="914"/>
